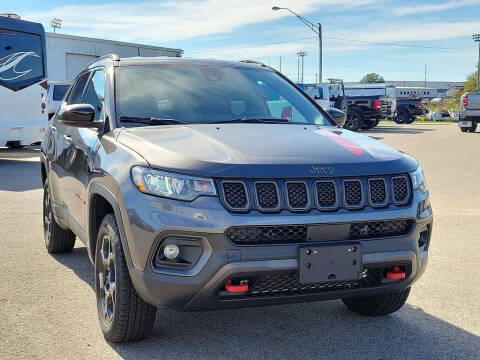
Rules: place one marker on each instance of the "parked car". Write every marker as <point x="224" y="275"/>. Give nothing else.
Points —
<point x="469" y="113"/>
<point x="56" y="92"/>
<point x="203" y="184"/>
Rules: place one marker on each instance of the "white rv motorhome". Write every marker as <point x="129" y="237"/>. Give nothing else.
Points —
<point x="23" y="116"/>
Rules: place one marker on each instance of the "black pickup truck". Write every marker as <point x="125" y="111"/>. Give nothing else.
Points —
<point x="406" y="109"/>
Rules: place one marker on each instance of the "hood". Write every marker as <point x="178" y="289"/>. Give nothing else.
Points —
<point x="263" y="151"/>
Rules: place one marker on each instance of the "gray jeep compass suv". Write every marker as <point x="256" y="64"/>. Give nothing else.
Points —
<point x="202" y="184"/>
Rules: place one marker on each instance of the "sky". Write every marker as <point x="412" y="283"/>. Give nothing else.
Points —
<point x="394" y="38"/>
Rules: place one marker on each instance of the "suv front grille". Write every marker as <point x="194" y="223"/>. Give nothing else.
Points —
<point x="287" y="284"/>
<point x="378" y="191"/>
<point x="401" y="191"/>
<point x="376" y="229"/>
<point x="267" y="195"/>
<point x="297" y="195"/>
<point x="326" y="194"/>
<point x="353" y="193"/>
<point x="235" y="195"/>
<point x="267" y="234"/>
<point x="308" y="194"/>
<point x="291" y="234"/>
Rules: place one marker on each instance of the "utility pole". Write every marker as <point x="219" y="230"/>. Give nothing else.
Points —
<point x="320" y="52"/>
<point x="316" y="29"/>
<point x="425" y="85"/>
<point x="476" y="38"/>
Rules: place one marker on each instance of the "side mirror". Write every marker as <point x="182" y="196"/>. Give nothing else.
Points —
<point x="79" y="115"/>
<point x="338" y="115"/>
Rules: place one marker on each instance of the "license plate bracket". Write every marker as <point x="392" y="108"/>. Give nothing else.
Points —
<point x="329" y="263"/>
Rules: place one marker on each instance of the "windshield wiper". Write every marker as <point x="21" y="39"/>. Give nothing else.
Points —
<point x="251" y="120"/>
<point x="149" y="120"/>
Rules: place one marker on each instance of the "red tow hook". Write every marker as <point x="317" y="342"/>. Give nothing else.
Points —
<point x="396" y="273"/>
<point x="238" y="288"/>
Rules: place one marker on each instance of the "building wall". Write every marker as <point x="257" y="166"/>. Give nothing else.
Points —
<point x="82" y="50"/>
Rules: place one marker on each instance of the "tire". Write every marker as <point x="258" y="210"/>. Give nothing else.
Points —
<point x="57" y="240"/>
<point x="410" y="120"/>
<point x="377" y="305"/>
<point x="367" y="125"/>
<point x="354" y="121"/>
<point x="473" y="128"/>
<point x="402" y="118"/>
<point x="123" y="315"/>
<point x="464" y="129"/>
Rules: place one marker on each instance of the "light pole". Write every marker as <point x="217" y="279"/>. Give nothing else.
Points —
<point x="476" y="38"/>
<point x="301" y="55"/>
<point x="316" y="29"/>
<point x="56" y="23"/>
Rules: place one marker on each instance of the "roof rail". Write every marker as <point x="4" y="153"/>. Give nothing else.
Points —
<point x="114" y="57"/>
<point x="253" y="62"/>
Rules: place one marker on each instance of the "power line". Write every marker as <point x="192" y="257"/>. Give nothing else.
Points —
<point x="340" y="39"/>
<point x="254" y="46"/>
<point x="395" y="44"/>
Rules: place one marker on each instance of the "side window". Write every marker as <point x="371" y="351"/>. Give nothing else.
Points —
<point x="75" y="96"/>
<point x="95" y="93"/>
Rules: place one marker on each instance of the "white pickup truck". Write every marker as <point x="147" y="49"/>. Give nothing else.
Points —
<point x="469" y="114"/>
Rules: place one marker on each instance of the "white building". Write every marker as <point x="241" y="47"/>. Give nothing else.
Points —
<point x="67" y="55"/>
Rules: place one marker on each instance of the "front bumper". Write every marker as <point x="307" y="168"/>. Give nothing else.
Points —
<point x="203" y="286"/>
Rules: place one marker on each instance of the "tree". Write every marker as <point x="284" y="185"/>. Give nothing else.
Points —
<point x="372" y="78"/>
<point x="470" y="85"/>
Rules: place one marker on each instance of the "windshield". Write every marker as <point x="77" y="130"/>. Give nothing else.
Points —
<point x="190" y="93"/>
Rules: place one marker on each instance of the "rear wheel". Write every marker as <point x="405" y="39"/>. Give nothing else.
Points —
<point x="464" y="129"/>
<point x="402" y="118"/>
<point x="410" y="120"/>
<point x="473" y="128"/>
<point x="57" y="240"/>
<point x="354" y="121"/>
<point x="123" y="315"/>
<point x="377" y="305"/>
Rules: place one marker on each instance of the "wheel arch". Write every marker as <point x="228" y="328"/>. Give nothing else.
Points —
<point x="102" y="201"/>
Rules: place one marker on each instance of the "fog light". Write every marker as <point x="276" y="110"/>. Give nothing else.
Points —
<point x="171" y="251"/>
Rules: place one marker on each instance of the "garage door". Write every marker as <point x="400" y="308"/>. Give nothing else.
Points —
<point x="76" y="63"/>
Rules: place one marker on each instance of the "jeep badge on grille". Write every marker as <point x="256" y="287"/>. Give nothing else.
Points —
<point x="321" y="170"/>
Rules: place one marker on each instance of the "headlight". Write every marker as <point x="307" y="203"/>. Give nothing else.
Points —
<point x="175" y="186"/>
<point x="418" y="179"/>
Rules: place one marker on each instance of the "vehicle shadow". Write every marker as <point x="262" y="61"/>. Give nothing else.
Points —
<point x="395" y="129"/>
<point x="300" y="331"/>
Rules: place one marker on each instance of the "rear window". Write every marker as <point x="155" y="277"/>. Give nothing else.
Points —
<point x="59" y="92"/>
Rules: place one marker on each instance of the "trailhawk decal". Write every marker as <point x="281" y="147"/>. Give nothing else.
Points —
<point x="347" y="144"/>
<point x="11" y="61"/>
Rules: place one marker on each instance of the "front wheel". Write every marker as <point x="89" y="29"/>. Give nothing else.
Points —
<point x="123" y="315"/>
<point x="377" y="305"/>
<point x="473" y="128"/>
<point x="464" y="129"/>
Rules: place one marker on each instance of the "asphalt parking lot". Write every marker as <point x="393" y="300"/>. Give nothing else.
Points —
<point x="48" y="311"/>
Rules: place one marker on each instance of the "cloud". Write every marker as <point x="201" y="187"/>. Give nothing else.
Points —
<point x="410" y="31"/>
<point x="155" y="22"/>
<point x="407" y="10"/>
